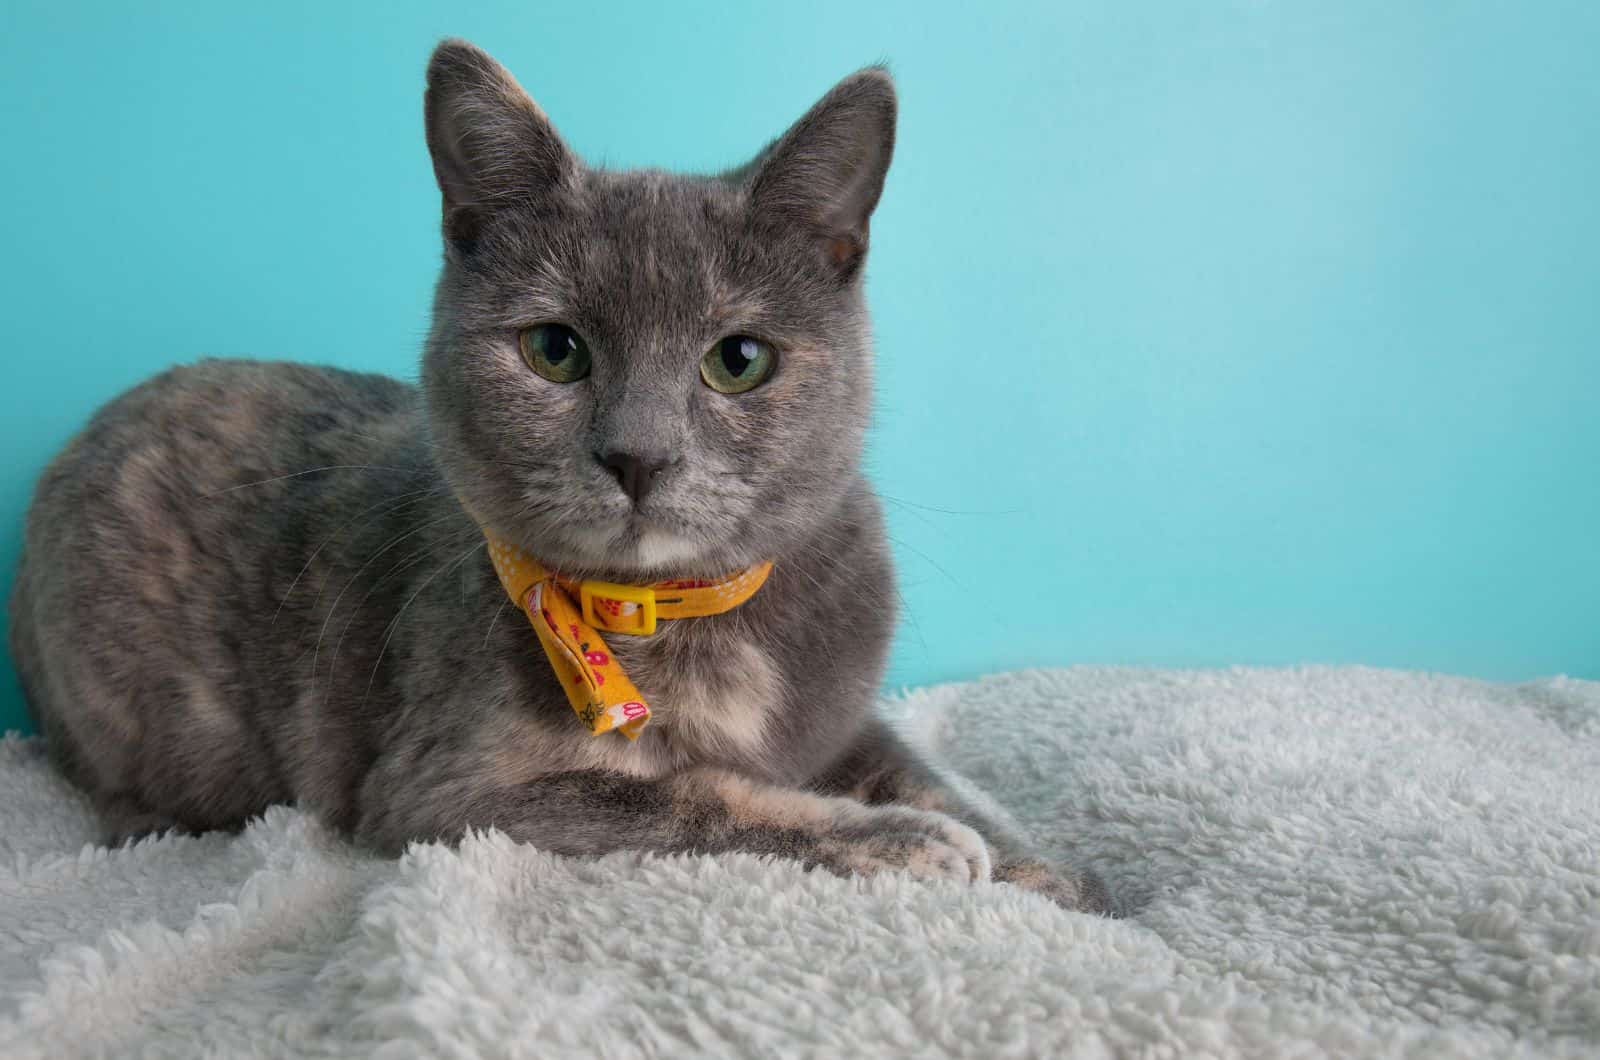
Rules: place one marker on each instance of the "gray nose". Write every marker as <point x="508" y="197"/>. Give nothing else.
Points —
<point x="636" y="473"/>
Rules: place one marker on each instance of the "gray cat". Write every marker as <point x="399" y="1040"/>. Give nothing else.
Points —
<point x="247" y="583"/>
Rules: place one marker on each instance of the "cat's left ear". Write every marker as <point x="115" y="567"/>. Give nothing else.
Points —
<point x="825" y="174"/>
<point x="492" y="146"/>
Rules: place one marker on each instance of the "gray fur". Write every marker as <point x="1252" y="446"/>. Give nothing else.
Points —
<point x="246" y="583"/>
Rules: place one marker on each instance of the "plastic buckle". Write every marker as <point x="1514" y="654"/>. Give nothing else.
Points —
<point x="642" y="595"/>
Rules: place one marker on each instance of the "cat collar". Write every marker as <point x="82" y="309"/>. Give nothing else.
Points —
<point x="567" y="613"/>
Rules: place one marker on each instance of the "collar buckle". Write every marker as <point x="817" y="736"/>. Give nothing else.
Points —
<point x="613" y="613"/>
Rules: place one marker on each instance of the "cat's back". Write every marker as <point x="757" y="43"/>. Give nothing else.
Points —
<point x="156" y="523"/>
<point x="185" y="452"/>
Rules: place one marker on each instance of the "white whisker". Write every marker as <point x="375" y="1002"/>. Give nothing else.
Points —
<point x="394" y="623"/>
<point x="497" y="613"/>
<point x="394" y="501"/>
<point x="314" y="471"/>
<point x="334" y="607"/>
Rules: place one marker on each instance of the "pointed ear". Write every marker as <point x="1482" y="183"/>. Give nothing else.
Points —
<point x="491" y="144"/>
<point x="825" y="174"/>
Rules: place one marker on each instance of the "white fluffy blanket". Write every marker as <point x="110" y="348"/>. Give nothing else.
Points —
<point x="1327" y="861"/>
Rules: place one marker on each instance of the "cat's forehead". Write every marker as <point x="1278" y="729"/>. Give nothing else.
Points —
<point x="639" y="252"/>
<point x="646" y="239"/>
<point x="657" y="212"/>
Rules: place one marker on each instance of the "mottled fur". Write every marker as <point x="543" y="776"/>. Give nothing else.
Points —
<point x="247" y="583"/>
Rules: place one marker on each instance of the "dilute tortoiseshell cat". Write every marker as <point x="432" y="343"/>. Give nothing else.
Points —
<point x="247" y="583"/>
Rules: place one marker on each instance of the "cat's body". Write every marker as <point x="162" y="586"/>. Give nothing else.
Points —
<point x="204" y="684"/>
<point x="248" y="583"/>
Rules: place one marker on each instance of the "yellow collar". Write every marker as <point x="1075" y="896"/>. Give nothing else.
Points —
<point x="596" y="687"/>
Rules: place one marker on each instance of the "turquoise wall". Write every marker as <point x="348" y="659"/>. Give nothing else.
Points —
<point x="1239" y="332"/>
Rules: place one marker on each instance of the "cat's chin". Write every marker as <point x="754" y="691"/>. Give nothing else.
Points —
<point x="636" y="548"/>
<point x="656" y="548"/>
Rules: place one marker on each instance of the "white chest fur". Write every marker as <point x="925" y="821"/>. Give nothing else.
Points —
<point x="719" y="706"/>
<point x="706" y="707"/>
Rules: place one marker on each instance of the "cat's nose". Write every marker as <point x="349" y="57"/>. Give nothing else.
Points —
<point x="636" y="473"/>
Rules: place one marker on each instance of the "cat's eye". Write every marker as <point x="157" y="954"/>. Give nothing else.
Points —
<point x="555" y="351"/>
<point x="737" y="363"/>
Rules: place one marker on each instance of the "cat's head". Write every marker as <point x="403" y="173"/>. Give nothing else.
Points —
<point x="643" y="373"/>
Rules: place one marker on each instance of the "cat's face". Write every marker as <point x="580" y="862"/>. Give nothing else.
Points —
<point x="639" y="373"/>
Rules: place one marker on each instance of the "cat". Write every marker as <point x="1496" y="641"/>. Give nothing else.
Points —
<point x="246" y="583"/>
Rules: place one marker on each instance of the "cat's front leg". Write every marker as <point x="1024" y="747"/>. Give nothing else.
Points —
<point x="879" y="769"/>
<point x="707" y="811"/>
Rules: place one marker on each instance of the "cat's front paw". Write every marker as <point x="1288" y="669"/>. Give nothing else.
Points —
<point x="1076" y="889"/>
<point x="875" y="839"/>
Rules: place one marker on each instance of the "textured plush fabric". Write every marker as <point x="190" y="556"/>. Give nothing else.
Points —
<point x="1316" y="861"/>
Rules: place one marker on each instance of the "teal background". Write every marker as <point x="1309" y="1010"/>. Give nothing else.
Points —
<point x="1209" y="333"/>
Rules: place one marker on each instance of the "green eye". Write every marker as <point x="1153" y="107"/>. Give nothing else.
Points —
<point x="737" y="363"/>
<point x="555" y="351"/>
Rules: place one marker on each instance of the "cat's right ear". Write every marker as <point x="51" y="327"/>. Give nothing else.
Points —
<point x="825" y="174"/>
<point x="491" y="144"/>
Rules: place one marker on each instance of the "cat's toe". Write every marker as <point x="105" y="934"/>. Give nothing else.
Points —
<point x="923" y="843"/>
<point x="1077" y="889"/>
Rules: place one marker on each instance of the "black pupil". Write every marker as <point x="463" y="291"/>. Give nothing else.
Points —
<point x="737" y="353"/>
<point x="558" y="342"/>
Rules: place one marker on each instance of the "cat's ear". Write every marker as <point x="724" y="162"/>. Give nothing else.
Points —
<point x="491" y="144"/>
<point x="825" y="174"/>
